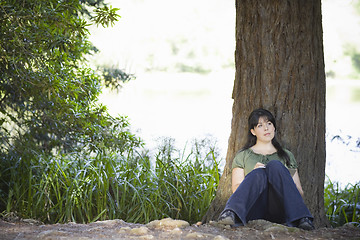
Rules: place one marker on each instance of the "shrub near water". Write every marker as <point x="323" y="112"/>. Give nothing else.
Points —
<point x="85" y="188"/>
<point x="342" y="205"/>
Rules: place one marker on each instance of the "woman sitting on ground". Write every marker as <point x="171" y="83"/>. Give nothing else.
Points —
<point x="265" y="180"/>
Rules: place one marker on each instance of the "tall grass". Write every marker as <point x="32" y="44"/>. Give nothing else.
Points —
<point x="136" y="188"/>
<point x="342" y="205"/>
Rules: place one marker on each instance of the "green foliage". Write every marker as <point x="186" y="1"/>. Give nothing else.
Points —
<point x="48" y="95"/>
<point x="106" y="16"/>
<point x="356" y="5"/>
<point x="342" y="205"/>
<point x="85" y="188"/>
<point x="352" y="52"/>
<point x="355" y="58"/>
<point x="49" y="102"/>
<point x="110" y="74"/>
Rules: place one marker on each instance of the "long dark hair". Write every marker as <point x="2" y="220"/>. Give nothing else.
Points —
<point x="253" y="121"/>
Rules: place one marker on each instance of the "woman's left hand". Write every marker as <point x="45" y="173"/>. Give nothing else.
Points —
<point x="259" y="165"/>
<point x="296" y="179"/>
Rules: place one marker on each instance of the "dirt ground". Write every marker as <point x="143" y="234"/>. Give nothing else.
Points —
<point x="166" y="229"/>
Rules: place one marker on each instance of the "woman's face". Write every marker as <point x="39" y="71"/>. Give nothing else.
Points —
<point x="264" y="130"/>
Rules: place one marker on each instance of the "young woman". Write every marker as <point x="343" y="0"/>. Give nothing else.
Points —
<point x="265" y="180"/>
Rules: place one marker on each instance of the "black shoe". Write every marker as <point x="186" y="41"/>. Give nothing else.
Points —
<point x="227" y="218"/>
<point x="306" y="224"/>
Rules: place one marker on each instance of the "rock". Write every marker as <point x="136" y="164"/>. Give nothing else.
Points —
<point x="52" y="234"/>
<point x="145" y="237"/>
<point x="195" y="235"/>
<point x="258" y="230"/>
<point x="216" y="224"/>
<point x="266" y="226"/>
<point x="168" y="223"/>
<point x="219" y="237"/>
<point x="139" y="231"/>
<point x="176" y="231"/>
<point x="260" y="224"/>
<point x="108" y="222"/>
<point x="94" y="229"/>
<point x="124" y="230"/>
<point x="293" y="229"/>
<point x="278" y="229"/>
<point x="350" y="225"/>
<point x="32" y="221"/>
<point x="11" y="217"/>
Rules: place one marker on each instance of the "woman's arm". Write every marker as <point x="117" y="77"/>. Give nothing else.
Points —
<point x="297" y="183"/>
<point x="238" y="175"/>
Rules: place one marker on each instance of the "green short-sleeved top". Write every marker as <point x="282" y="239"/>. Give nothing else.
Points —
<point x="247" y="160"/>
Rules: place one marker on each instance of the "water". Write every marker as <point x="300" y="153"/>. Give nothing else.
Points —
<point x="188" y="106"/>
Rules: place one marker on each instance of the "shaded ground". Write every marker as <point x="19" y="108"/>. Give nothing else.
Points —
<point x="166" y="229"/>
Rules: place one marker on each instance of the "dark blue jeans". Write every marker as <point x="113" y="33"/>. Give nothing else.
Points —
<point x="268" y="193"/>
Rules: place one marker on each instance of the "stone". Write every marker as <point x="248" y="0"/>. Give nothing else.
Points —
<point x="32" y="221"/>
<point x="168" y="223"/>
<point x="52" y="234"/>
<point x="124" y="230"/>
<point x="146" y="237"/>
<point x="277" y="229"/>
<point x="260" y="224"/>
<point x="219" y="237"/>
<point x="194" y="235"/>
<point x="216" y="224"/>
<point x="108" y="222"/>
<point x="139" y="231"/>
<point x="176" y="231"/>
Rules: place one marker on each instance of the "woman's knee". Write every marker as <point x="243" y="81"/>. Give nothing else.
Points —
<point x="257" y="174"/>
<point x="275" y="165"/>
<point x="256" y="178"/>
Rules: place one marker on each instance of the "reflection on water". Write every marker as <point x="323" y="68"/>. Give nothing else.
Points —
<point x="187" y="106"/>
<point x="343" y="131"/>
<point x="343" y="157"/>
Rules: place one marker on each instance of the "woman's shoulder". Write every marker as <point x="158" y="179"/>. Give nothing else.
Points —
<point x="243" y="152"/>
<point x="288" y="152"/>
<point x="240" y="159"/>
<point x="293" y="163"/>
<point x="246" y="154"/>
<point x="241" y="155"/>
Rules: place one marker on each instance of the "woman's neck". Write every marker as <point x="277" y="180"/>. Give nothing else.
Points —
<point x="264" y="148"/>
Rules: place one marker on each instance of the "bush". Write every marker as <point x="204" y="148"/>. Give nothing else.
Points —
<point x="342" y="205"/>
<point x="83" y="188"/>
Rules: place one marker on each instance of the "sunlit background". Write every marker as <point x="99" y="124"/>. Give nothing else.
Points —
<point x="182" y="54"/>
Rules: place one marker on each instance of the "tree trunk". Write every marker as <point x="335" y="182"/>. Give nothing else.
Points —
<point x="280" y="66"/>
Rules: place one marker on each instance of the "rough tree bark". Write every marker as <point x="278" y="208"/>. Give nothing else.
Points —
<point x="280" y="66"/>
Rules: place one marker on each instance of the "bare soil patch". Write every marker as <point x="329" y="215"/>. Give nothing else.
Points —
<point x="166" y="229"/>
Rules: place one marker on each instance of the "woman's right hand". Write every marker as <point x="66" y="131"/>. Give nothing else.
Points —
<point x="259" y="165"/>
<point x="238" y="175"/>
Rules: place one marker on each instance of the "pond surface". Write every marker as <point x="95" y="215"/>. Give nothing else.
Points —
<point x="187" y="106"/>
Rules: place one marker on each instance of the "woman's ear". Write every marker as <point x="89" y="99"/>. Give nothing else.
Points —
<point x="253" y="132"/>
